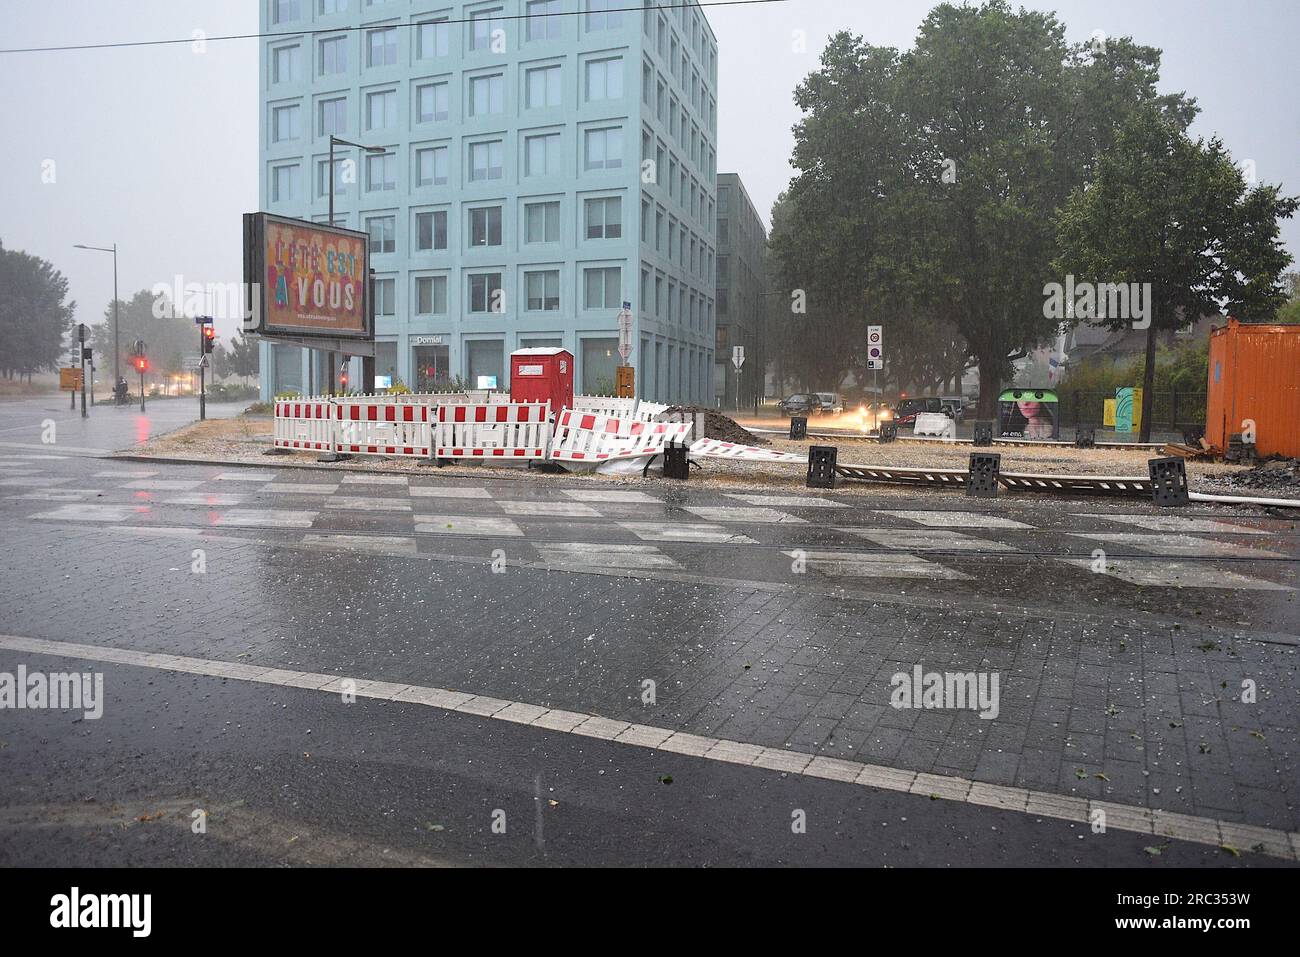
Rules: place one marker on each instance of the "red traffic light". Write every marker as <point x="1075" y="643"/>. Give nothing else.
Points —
<point x="141" y="364"/>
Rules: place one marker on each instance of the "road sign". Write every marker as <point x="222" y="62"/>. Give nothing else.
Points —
<point x="625" y="332"/>
<point x="737" y="356"/>
<point x="192" y="363"/>
<point x="875" y="345"/>
<point x="875" y="363"/>
<point x="70" y="379"/>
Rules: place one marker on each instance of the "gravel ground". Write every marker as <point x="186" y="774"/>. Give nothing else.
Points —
<point x="244" y="440"/>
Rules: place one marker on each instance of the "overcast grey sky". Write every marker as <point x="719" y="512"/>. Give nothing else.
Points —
<point x="155" y="148"/>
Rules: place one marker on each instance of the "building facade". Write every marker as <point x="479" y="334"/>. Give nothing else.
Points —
<point x="741" y="296"/>
<point x="545" y="162"/>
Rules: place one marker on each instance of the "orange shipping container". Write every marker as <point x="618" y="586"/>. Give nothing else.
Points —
<point x="1255" y="377"/>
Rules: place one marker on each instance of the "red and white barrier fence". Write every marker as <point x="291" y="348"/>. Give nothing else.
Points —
<point x="519" y="431"/>
<point x="587" y="437"/>
<point x="304" y="424"/>
<point x="373" y="429"/>
<point x="716" y="448"/>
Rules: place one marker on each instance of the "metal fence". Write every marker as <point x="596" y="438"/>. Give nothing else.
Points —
<point x="1174" y="411"/>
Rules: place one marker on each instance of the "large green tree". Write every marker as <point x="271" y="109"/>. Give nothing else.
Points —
<point x="929" y="181"/>
<point x="34" y="314"/>
<point x="1174" y="216"/>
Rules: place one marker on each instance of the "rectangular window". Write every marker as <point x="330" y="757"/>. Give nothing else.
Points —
<point x="323" y="177"/>
<point x="381" y="173"/>
<point x="381" y="46"/>
<point x="333" y="6"/>
<point x="543" y="291"/>
<point x="284" y="184"/>
<point x="485" y="226"/>
<point x="542" y="223"/>
<point x="602" y="288"/>
<point x="285" y="11"/>
<point x="486" y="95"/>
<point x="486" y="29"/>
<point x="383" y="233"/>
<point x="381" y="110"/>
<point x="485" y="160"/>
<point x="603" y="149"/>
<point x="433" y="38"/>
<point x="285" y="123"/>
<point x="542" y="87"/>
<point x="333" y="116"/>
<point x="604" y="14"/>
<point x="485" y="293"/>
<point x="431" y="230"/>
<point x="604" y="218"/>
<point x="605" y="79"/>
<point x="385" y="297"/>
<point x="334" y="56"/>
<point x="432" y="103"/>
<point x="431" y="295"/>
<point x="286" y="64"/>
<point x="431" y="166"/>
<point x="540" y="25"/>
<point x="541" y="154"/>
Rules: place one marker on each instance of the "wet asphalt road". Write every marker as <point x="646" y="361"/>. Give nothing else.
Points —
<point x="1118" y="685"/>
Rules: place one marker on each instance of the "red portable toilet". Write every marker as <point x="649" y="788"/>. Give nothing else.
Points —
<point x="542" y="375"/>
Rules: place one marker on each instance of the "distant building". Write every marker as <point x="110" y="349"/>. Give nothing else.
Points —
<point x="742" y="252"/>
<point x="541" y="170"/>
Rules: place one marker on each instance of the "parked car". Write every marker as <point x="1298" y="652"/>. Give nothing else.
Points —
<point x="954" y="405"/>
<point x="831" y="402"/>
<point x="801" y="403"/>
<point x="907" y="409"/>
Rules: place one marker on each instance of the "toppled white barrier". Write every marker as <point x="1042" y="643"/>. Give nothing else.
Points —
<point x="934" y="423"/>
<point x="587" y="437"/>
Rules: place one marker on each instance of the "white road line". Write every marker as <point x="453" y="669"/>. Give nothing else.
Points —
<point x="371" y="544"/>
<point x="448" y="491"/>
<point x="126" y="473"/>
<point x="874" y="565"/>
<point x="1120" y="817"/>
<point x="91" y="512"/>
<point x="1177" y="574"/>
<point x="787" y="501"/>
<point x="1165" y="543"/>
<point x="1175" y="523"/>
<point x="264" y="518"/>
<point x="210" y="499"/>
<point x="935" y="519"/>
<point x="161" y="485"/>
<point x="923" y="539"/>
<point x="739" y="513"/>
<point x="27" y="481"/>
<point x="685" y="532"/>
<point x="557" y="509"/>
<point x="366" y="479"/>
<point x="611" y="496"/>
<point x="247" y="475"/>
<point x="298" y="488"/>
<point x="601" y="555"/>
<point x="59" y="495"/>
<point x="466" y="525"/>
<point x="361" y="504"/>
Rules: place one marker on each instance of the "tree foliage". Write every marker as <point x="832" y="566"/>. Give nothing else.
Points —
<point x="929" y="184"/>
<point x="35" y="315"/>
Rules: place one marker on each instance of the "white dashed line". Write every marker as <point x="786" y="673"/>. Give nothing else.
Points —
<point x="1120" y="817"/>
<point x="958" y="519"/>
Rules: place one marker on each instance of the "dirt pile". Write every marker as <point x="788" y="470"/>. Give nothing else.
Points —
<point x="716" y="425"/>
<point x="1277" y="475"/>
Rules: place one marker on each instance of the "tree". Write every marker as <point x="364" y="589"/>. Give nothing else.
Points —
<point x="930" y="181"/>
<point x="1174" y="217"/>
<point x="167" y="337"/>
<point x="242" y="357"/>
<point x="34" y="314"/>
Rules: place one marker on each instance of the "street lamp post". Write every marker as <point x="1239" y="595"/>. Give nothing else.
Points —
<point x="113" y="250"/>
<point x="367" y="373"/>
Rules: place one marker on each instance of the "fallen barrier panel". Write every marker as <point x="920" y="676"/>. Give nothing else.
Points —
<point x="520" y="431"/>
<point x="1134" y="485"/>
<point x="649" y="411"/>
<point x="936" y="424"/>
<point x="302" y="424"/>
<point x="606" y="405"/>
<point x="588" y="437"/>
<point x="949" y="478"/>
<point x="718" y="449"/>
<point x="373" y="428"/>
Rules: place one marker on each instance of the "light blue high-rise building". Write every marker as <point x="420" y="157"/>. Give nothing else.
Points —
<point x="545" y="161"/>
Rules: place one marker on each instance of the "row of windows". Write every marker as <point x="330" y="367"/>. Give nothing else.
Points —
<point x="663" y="297"/>
<point x="659" y="165"/>
<point x="541" y="155"/>
<point x="600" y="288"/>
<point x="434" y="38"/>
<point x="602" y="218"/>
<point x="662" y="37"/>
<point x="672" y="239"/>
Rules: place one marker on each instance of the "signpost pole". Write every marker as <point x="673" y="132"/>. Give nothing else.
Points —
<point x="82" y="335"/>
<point x="203" y="399"/>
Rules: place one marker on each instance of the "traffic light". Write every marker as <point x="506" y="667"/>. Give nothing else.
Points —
<point x="209" y="338"/>
<point x="141" y="364"/>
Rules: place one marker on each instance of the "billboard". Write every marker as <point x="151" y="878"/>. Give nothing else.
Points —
<point x="306" y="279"/>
